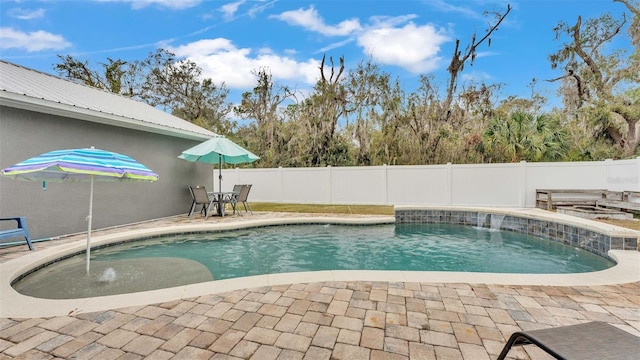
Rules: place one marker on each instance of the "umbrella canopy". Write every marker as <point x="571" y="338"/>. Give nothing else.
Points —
<point x="218" y="150"/>
<point x="81" y="165"/>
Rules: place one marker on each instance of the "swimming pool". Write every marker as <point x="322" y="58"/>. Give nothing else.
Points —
<point x="168" y="261"/>
<point x="617" y="243"/>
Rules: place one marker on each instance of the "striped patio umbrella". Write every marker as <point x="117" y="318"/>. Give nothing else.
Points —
<point x="89" y="164"/>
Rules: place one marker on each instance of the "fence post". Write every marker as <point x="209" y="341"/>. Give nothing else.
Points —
<point x="330" y="185"/>
<point x="281" y="184"/>
<point x="386" y="184"/>
<point x="523" y="183"/>
<point x="636" y="182"/>
<point x="449" y="184"/>
<point x="607" y="173"/>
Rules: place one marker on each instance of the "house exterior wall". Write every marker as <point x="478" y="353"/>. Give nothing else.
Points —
<point x="63" y="207"/>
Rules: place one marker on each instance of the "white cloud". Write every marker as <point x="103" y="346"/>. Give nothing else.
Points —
<point x="395" y="41"/>
<point x="481" y="54"/>
<point x="222" y="61"/>
<point x="476" y="76"/>
<point x="391" y="21"/>
<point x="260" y="7"/>
<point x="445" y="6"/>
<point x="32" y="41"/>
<point x="171" y="4"/>
<point x="229" y="10"/>
<point x="26" y="14"/>
<point x="391" y="40"/>
<point x="311" y="20"/>
<point x="335" y="45"/>
<point x="412" y="47"/>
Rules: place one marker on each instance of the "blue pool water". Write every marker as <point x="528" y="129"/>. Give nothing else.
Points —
<point x="183" y="259"/>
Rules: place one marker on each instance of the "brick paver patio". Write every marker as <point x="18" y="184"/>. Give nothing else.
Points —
<point x="323" y="320"/>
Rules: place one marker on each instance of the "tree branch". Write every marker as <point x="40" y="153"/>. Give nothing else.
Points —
<point x="635" y="11"/>
<point x="322" y="69"/>
<point x="581" y="91"/>
<point x="585" y="57"/>
<point x="457" y="63"/>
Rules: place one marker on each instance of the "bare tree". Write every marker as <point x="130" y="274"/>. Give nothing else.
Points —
<point x="370" y="97"/>
<point x="263" y="105"/>
<point x="158" y="80"/>
<point x="322" y="110"/>
<point x="110" y="79"/>
<point x="179" y="86"/>
<point x="598" y="83"/>
<point x="459" y="59"/>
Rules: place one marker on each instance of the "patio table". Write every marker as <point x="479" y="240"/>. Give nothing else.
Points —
<point x="219" y="196"/>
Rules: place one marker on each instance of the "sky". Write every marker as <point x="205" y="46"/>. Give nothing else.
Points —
<point x="230" y="40"/>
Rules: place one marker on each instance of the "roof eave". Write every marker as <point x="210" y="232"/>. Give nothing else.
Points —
<point x="25" y="102"/>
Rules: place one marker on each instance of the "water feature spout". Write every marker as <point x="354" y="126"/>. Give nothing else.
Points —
<point x="496" y="221"/>
<point x="482" y="219"/>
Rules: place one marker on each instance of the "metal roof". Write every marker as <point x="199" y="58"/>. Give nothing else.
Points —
<point x="29" y="89"/>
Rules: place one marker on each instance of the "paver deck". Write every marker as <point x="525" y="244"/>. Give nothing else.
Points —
<point x="320" y="320"/>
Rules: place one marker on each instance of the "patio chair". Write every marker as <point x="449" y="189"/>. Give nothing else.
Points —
<point x="21" y="230"/>
<point x="239" y="195"/>
<point x="589" y="341"/>
<point x="199" y="196"/>
<point x="243" y="196"/>
<point x="233" y="197"/>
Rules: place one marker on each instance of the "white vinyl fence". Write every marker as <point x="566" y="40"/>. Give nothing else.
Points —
<point x="495" y="185"/>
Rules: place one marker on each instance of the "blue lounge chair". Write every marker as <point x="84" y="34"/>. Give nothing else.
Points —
<point x="21" y="231"/>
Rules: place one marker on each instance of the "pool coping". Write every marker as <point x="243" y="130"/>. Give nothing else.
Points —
<point x="14" y="304"/>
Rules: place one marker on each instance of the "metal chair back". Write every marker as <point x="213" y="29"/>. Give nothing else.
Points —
<point x="199" y="196"/>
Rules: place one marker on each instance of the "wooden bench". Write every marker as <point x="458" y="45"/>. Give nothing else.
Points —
<point x="20" y="231"/>
<point x="551" y="198"/>
<point x="623" y="202"/>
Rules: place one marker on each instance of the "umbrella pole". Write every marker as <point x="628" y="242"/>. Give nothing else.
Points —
<point x="89" y="221"/>
<point x="220" y="174"/>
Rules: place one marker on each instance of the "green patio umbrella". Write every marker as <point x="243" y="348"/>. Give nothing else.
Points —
<point x="219" y="150"/>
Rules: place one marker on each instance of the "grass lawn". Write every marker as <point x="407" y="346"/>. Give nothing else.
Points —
<point x="377" y="210"/>
<point x="631" y="224"/>
<point x="324" y="209"/>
